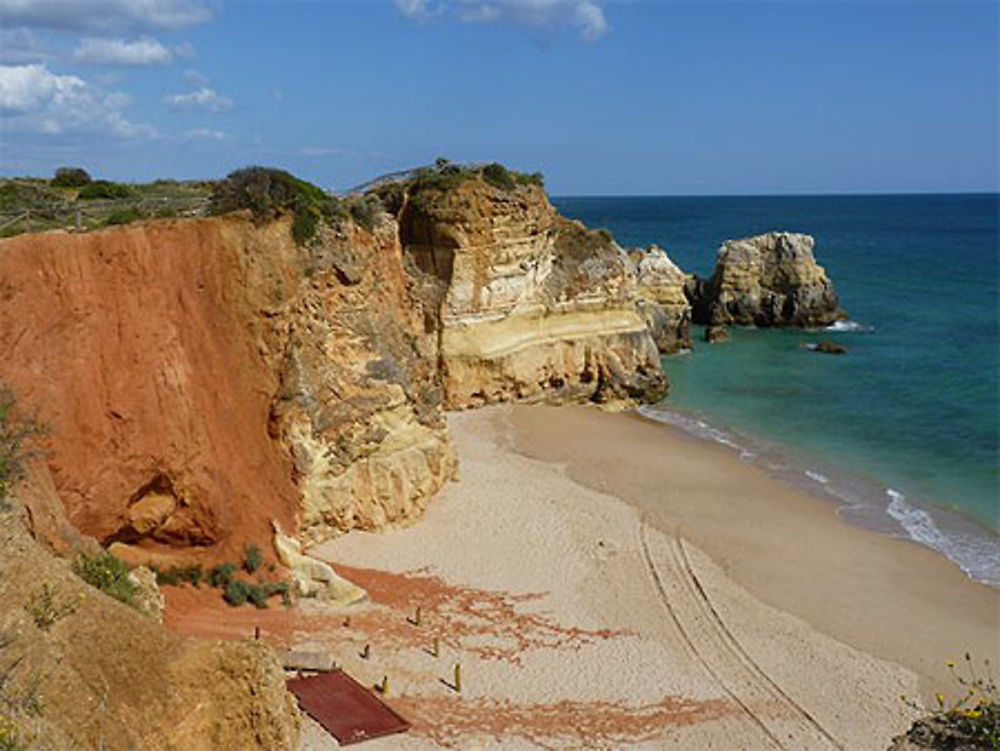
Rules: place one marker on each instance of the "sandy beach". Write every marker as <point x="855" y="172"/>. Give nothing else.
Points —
<point x="606" y="582"/>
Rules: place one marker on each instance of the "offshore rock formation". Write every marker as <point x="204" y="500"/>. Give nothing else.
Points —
<point x="766" y="280"/>
<point x="662" y="298"/>
<point x="81" y="670"/>
<point x="525" y="304"/>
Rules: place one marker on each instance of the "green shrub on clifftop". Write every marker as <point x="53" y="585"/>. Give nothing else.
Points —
<point x="70" y="177"/>
<point x="268" y="192"/>
<point x="104" y="189"/>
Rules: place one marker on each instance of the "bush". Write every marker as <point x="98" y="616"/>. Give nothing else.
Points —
<point x="253" y="559"/>
<point x="124" y="216"/>
<point x="236" y="593"/>
<point x="17" y="434"/>
<point x="269" y="192"/>
<point x="70" y="177"/>
<point x="104" y="189"/>
<point x="221" y="575"/>
<point x="106" y="573"/>
<point x="498" y="176"/>
<point x="364" y="211"/>
<point x="972" y="720"/>
<point x="176" y="575"/>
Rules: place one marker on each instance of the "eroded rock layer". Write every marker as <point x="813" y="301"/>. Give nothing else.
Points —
<point x="766" y="280"/>
<point x="529" y="305"/>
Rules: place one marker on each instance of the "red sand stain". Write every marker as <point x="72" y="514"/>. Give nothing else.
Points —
<point x="576" y="724"/>
<point x="201" y="612"/>
<point x="489" y="624"/>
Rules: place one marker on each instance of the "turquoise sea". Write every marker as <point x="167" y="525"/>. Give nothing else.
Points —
<point x="901" y="432"/>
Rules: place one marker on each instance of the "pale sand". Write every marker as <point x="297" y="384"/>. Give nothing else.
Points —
<point x="584" y="621"/>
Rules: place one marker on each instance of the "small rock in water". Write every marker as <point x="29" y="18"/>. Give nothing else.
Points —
<point x="716" y="334"/>
<point x="831" y="348"/>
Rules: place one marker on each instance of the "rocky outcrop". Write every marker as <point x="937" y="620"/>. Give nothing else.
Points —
<point x="662" y="298"/>
<point x="83" y="671"/>
<point x="524" y="303"/>
<point x="766" y="280"/>
<point x="204" y="377"/>
<point x="828" y="347"/>
<point x="359" y="404"/>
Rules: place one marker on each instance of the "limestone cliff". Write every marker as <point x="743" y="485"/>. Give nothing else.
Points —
<point x="662" y="298"/>
<point x="525" y="303"/>
<point x="766" y="280"/>
<point x="206" y="378"/>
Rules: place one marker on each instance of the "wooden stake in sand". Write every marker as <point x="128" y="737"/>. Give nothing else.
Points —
<point x="383" y="687"/>
<point x="366" y="652"/>
<point x="458" y="678"/>
<point x="347" y="621"/>
<point x="415" y="620"/>
<point x="436" y="647"/>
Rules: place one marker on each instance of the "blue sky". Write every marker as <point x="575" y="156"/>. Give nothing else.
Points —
<point x="706" y="97"/>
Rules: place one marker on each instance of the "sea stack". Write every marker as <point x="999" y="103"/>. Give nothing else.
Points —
<point x="661" y="298"/>
<point x="766" y="280"/>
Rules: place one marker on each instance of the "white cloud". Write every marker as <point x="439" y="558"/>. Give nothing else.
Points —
<point x="202" y="98"/>
<point x="417" y="9"/>
<point x="195" y="78"/>
<point x="104" y="14"/>
<point x="103" y="51"/>
<point x="36" y="100"/>
<point x="205" y="134"/>
<point x="547" y="16"/>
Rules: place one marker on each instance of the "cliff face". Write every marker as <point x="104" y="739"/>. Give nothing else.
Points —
<point x="525" y="303"/>
<point x="141" y="346"/>
<point x="359" y="403"/>
<point x="767" y="280"/>
<point x="204" y="378"/>
<point x="662" y="298"/>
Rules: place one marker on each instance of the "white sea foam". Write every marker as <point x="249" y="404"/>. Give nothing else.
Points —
<point x="889" y="511"/>
<point x="849" y="326"/>
<point x="918" y="523"/>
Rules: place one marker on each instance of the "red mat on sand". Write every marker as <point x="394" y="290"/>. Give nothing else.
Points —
<point x="348" y="710"/>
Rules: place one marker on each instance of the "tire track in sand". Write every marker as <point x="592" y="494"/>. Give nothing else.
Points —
<point x="725" y="660"/>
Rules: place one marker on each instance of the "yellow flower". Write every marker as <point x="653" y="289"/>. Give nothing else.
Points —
<point x="940" y="699"/>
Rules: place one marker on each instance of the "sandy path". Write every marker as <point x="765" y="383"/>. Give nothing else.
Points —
<point x="577" y="625"/>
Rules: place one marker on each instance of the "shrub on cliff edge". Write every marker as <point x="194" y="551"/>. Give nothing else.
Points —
<point x="268" y="192"/>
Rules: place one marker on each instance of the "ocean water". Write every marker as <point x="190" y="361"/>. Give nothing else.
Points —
<point x="902" y="431"/>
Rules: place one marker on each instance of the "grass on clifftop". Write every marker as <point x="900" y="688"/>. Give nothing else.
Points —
<point x="71" y="200"/>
